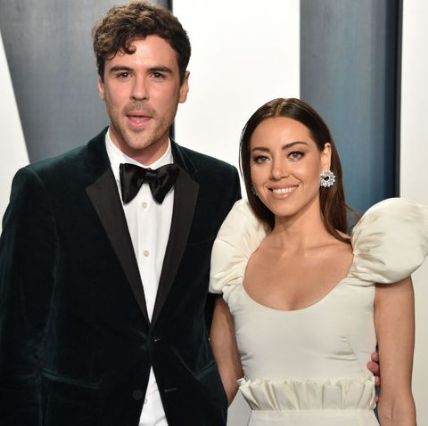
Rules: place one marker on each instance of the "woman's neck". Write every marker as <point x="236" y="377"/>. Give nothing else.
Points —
<point x="300" y="232"/>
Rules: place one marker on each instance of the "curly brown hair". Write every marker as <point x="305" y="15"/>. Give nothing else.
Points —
<point x="123" y="24"/>
<point x="332" y="200"/>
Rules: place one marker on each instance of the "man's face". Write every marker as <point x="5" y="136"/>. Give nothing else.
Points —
<point x="141" y="92"/>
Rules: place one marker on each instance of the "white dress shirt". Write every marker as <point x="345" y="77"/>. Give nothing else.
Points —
<point x="149" y="224"/>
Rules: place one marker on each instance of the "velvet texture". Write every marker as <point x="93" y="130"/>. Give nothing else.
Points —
<point x="75" y="343"/>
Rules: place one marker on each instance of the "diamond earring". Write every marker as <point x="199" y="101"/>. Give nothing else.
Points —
<point x="327" y="179"/>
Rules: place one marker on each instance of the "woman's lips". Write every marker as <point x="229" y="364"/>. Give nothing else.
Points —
<point x="283" y="192"/>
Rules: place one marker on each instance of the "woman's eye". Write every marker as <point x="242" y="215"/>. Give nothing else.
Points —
<point x="260" y="159"/>
<point x="295" y="155"/>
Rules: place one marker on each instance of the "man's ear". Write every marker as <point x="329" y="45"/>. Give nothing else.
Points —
<point x="184" y="89"/>
<point x="100" y="87"/>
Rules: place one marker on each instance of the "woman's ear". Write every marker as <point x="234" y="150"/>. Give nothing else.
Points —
<point x="326" y="156"/>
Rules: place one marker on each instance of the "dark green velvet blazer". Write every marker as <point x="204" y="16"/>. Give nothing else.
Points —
<point x="76" y="344"/>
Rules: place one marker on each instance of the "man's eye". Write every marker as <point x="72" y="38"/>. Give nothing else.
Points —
<point x="122" y="75"/>
<point x="158" y="75"/>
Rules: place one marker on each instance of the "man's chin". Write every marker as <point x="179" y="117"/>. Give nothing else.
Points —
<point x="137" y="141"/>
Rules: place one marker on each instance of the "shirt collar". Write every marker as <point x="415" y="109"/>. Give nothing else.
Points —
<point x="117" y="157"/>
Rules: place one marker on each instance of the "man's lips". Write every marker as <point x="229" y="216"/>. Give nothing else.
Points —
<point x="138" y="119"/>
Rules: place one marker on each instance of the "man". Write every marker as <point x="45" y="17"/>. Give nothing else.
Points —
<point x="104" y="265"/>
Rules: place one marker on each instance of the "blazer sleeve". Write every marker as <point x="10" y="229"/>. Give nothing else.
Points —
<point x="237" y="187"/>
<point x="27" y="275"/>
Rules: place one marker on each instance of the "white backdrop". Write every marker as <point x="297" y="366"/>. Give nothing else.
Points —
<point x="244" y="54"/>
<point x="414" y="170"/>
<point x="13" y="153"/>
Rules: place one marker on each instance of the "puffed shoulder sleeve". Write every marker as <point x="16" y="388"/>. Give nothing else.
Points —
<point x="390" y="241"/>
<point x="238" y="237"/>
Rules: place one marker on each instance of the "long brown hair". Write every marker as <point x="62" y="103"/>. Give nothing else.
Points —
<point x="332" y="200"/>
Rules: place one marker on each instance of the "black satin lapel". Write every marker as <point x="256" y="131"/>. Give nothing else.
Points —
<point x="185" y="195"/>
<point x="105" y="198"/>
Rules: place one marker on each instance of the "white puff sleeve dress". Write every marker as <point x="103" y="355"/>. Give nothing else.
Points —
<point x="308" y="366"/>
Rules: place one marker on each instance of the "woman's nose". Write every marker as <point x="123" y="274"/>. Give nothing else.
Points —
<point x="279" y="170"/>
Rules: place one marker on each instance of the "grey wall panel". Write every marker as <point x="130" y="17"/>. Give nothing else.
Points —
<point x="349" y="54"/>
<point x="49" y="50"/>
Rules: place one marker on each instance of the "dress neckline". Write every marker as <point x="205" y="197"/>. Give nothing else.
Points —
<point x="304" y="308"/>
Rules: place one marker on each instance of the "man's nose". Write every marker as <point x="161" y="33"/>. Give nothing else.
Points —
<point x="139" y="88"/>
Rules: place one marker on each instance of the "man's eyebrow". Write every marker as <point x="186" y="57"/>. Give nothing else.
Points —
<point x="160" y="68"/>
<point x="116" y="68"/>
<point x="156" y="68"/>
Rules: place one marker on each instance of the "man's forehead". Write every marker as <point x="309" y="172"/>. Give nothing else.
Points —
<point x="148" y="46"/>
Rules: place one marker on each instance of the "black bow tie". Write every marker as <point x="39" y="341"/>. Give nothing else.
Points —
<point x="160" y="180"/>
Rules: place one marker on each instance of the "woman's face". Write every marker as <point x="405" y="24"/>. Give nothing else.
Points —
<point x="286" y="165"/>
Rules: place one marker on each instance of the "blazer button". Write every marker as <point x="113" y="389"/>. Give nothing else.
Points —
<point x="156" y="339"/>
<point x="137" y="394"/>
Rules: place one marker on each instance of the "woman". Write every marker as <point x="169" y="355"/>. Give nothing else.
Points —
<point x="303" y="303"/>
